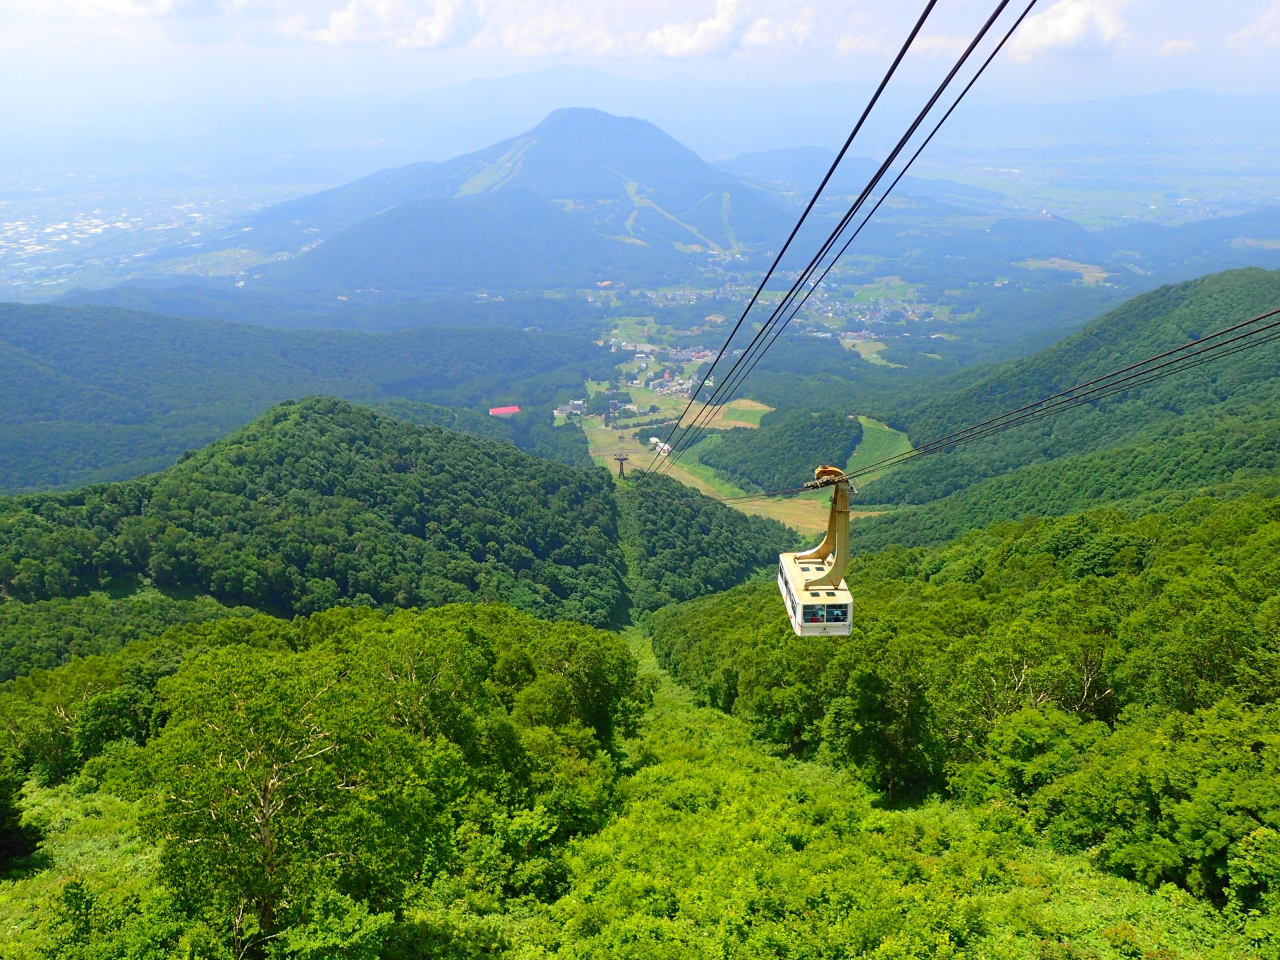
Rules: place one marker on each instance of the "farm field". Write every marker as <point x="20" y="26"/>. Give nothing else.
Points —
<point x="736" y="413"/>
<point x="801" y="514"/>
<point x="806" y="513"/>
<point x="605" y="443"/>
<point x="879" y="442"/>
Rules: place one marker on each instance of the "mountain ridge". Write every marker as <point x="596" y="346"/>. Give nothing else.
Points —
<point x="99" y="393"/>
<point x="320" y="502"/>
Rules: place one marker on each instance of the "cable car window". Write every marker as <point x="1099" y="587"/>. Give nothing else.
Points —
<point x="814" y="613"/>
<point x="837" y="613"/>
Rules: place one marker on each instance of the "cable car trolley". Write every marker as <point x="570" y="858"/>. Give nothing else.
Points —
<point x="812" y="583"/>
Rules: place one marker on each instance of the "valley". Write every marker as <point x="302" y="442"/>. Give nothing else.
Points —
<point x="389" y="568"/>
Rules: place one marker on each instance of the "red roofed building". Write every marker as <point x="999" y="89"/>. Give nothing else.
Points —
<point x="503" y="411"/>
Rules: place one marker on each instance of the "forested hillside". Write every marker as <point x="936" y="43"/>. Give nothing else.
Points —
<point x="957" y="778"/>
<point x="1202" y="426"/>
<point x="472" y="782"/>
<point x="680" y="545"/>
<point x="320" y="503"/>
<point x="1134" y="477"/>
<point x="405" y="776"/>
<point x="1243" y="386"/>
<point x="44" y="634"/>
<point x="783" y="452"/>
<point x="1111" y="682"/>
<point x="94" y="393"/>
<point x="533" y="430"/>
<point x="205" y="298"/>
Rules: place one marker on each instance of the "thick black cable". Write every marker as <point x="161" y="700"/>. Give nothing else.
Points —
<point x="683" y="442"/>
<point x="1101" y="394"/>
<point x="875" y="97"/>
<point x="1038" y="415"/>
<point x="698" y="426"/>
<point x="1203" y="351"/>
<point x="1133" y="381"/>
<point x="1202" y="342"/>
<point x="880" y="202"/>
<point x="1099" y="387"/>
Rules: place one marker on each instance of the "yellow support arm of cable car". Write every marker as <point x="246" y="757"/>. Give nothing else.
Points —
<point x="835" y="545"/>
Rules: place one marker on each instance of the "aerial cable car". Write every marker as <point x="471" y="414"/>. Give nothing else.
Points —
<point x="812" y="583"/>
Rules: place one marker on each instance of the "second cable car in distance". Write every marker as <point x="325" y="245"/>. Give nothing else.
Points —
<point x="812" y="582"/>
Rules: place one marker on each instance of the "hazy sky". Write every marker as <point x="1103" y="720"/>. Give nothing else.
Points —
<point x="58" y="57"/>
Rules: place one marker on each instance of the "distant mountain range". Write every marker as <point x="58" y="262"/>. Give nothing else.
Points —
<point x="585" y="198"/>
<point x="581" y="198"/>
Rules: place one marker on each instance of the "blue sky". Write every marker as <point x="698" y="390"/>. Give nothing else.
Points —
<point x="94" y="55"/>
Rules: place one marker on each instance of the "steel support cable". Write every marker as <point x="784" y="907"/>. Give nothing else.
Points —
<point x="880" y="202"/>
<point x="1203" y="342"/>
<point x="697" y="425"/>
<point x="1032" y="417"/>
<point x="857" y="128"/>
<point x="1101" y="388"/>
<point x="1142" y="378"/>
<point x="938" y="126"/>
<point x="1082" y="401"/>
<point x="1135" y="375"/>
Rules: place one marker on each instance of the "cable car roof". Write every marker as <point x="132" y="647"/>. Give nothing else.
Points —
<point x="799" y="571"/>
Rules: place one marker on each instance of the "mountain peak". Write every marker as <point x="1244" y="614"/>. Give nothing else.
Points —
<point x="580" y="181"/>
<point x="588" y="119"/>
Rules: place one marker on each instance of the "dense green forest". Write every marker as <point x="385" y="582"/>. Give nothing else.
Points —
<point x="321" y="503"/>
<point x="782" y="453"/>
<point x="336" y="685"/>
<point x="1244" y="387"/>
<point x="47" y="633"/>
<point x="204" y="298"/>
<point x="1049" y="739"/>
<point x="1208" y="425"/>
<point x="97" y="393"/>
<point x="1111" y="682"/>
<point x="533" y="430"/>
<point x="1135" y="477"/>
<point x="472" y="782"/>
<point x="349" y="785"/>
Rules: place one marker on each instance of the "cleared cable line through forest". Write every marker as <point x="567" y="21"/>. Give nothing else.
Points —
<point x="1229" y="341"/>
<point x="694" y="430"/>
<point x="857" y="128"/>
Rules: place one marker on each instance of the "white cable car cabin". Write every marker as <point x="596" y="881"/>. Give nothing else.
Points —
<point x="812" y="583"/>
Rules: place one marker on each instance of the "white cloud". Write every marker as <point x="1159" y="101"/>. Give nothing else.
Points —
<point x="1070" y="25"/>
<point x="1178" y="48"/>
<point x="553" y="32"/>
<point x="767" y="33"/>
<point x="863" y="44"/>
<point x="937" y="45"/>
<point x="402" y="23"/>
<point x="161" y="9"/>
<point x="1263" y="32"/>
<point x="715" y="36"/>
